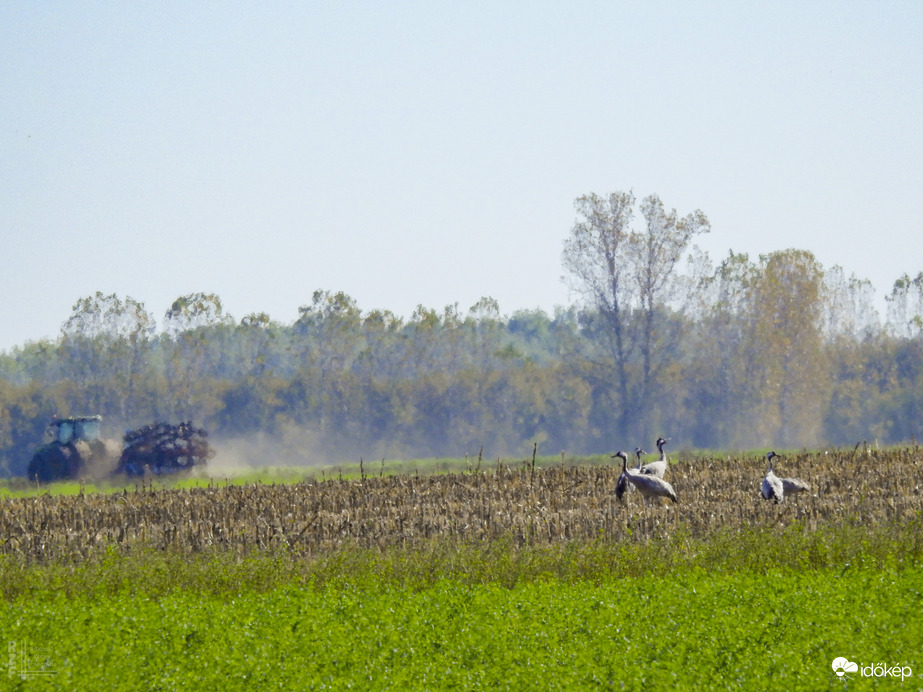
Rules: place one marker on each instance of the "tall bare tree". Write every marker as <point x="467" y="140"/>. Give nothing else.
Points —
<point x="629" y="276"/>
<point x="656" y="251"/>
<point x="596" y="256"/>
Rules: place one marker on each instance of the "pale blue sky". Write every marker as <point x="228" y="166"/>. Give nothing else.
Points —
<point x="431" y="152"/>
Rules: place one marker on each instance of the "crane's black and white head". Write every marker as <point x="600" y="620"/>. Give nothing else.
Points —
<point x="638" y="453"/>
<point x="623" y="457"/>
<point x="769" y="457"/>
<point x="661" y="441"/>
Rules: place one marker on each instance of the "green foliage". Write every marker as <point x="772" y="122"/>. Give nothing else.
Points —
<point x="776" y="351"/>
<point x="692" y="629"/>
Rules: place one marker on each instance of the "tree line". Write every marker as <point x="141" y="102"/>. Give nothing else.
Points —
<point x="741" y="353"/>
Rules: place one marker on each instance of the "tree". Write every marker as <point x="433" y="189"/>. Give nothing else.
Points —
<point x="903" y="399"/>
<point x="849" y="303"/>
<point x="107" y="341"/>
<point x="382" y="353"/>
<point x="905" y="306"/>
<point x="629" y="278"/>
<point x="328" y="340"/>
<point x="595" y="254"/>
<point x="717" y="372"/>
<point x="853" y="338"/>
<point x="328" y="329"/>
<point x="194" y="326"/>
<point x="761" y="373"/>
<point x="788" y="373"/>
<point x="484" y="328"/>
<point x="655" y="255"/>
<point x="24" y="414"/>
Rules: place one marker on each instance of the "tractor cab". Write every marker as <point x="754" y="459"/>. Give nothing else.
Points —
<point x="66" y="430"/>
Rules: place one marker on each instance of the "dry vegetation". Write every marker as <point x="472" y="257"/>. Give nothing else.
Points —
<point x="528" y="505"/>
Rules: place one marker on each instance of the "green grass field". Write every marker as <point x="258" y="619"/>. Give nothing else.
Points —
<point x="778" y="630"/>
<point x="749" y="611"/>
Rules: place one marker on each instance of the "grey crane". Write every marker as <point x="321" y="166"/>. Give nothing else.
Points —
<point x="793" y="486"/>
<point x="659" y="467"/>
<point x="648" y="485"/>
<point x="622" y="486"/>
<point x="772" y="488"/>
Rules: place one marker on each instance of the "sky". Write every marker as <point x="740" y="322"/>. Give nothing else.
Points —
<point x="429" y="153"/>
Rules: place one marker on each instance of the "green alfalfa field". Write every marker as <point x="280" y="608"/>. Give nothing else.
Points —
<point x="528" y="575"/>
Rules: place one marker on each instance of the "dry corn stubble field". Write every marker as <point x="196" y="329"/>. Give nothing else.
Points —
<point x="530" y="506"/>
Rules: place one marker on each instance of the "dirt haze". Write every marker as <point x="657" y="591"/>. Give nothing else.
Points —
<point x="237" y="456"/>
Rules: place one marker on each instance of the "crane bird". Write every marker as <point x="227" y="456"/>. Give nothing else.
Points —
<point x="659" y="467"/>
<point x="622" y="486"/>
<point x="648" y="485"/>
<point x="793" y="486"/>
<point x="772" y="488"/>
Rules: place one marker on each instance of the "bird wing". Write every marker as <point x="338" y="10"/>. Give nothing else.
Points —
<point x="772" y="488"/>
<point x="794" y="485"/>
<point x="655" y="468"/>
<point x="653" y="486"/>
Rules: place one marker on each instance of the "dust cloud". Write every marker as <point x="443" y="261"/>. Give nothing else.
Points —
<point x="292" y="448"/>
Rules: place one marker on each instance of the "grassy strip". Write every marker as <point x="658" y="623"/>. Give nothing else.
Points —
<point x="741" y="609"/>
<point x="692" y="630"/>
<point x="157" y="573"/>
